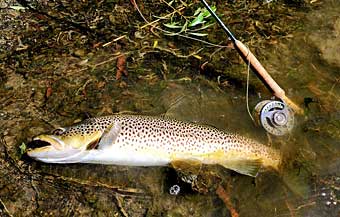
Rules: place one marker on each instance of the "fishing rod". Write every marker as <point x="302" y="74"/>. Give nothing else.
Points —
<point x="280" y="119"/>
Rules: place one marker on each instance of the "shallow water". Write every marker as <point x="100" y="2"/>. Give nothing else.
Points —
<point x="305" y="63"/>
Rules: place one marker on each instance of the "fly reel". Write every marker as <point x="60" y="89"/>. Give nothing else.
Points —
<point x="274" y="116"/>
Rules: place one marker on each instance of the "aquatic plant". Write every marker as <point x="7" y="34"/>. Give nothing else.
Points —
<point x="191" y="25"/>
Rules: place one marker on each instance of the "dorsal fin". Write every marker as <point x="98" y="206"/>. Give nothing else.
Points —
<point x="110" y="135"/>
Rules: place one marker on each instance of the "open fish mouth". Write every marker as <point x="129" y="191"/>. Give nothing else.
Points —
<point x="50" y="149"/>
<point x="37" y="144"/>
<point x="50" y="140"/>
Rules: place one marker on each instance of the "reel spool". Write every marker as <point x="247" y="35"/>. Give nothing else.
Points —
<point x="274" y="116"/>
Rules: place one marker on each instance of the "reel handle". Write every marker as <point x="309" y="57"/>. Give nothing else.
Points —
<point x="264" y="76"/>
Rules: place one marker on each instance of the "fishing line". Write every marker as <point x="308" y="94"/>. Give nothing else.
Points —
<point x="247" y="87"/>
<point x="255" y="64"/>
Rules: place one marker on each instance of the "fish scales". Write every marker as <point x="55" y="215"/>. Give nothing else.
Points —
<point x="151" y="141"/>
<point x="172" y="135"/>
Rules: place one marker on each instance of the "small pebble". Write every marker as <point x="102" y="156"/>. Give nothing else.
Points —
<point x="80" y="52"/>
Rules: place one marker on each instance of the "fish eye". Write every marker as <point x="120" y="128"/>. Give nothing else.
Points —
<point x="59" y="131"/>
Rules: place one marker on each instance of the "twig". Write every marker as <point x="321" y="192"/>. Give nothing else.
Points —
<point x="34" y="187"/>
<point x="216" y="51"/>
<point x="179" y="55"/>
<point x="114" y="40"/>
<point x="162" y="18"/>
<point x="312" y="203"/>
<point x="226" y="199"/>
<point x="82" y="88"/>
<point x="84" y="29"/>
<point x="10" y="158"/>
<point x="118" y="190"/>
<point x="5" y="208"/>
<point x="189" y="37"/>
<point x="120" y="207"/>
<point x="137" y="8"/>
<point x="110" y="60"/>
<point x="175" y="10"/>
<point x="104" y="62"/>
<point x="291" y="210"/>
<point x="167" y="32"/>
<point x="192" y="38"/>
<point x="5" y="101"/>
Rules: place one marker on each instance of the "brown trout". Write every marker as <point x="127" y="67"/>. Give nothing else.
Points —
<point x="135" y="140"/>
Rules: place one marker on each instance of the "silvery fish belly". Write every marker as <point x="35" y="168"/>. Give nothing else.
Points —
<point x="135" y="140"/>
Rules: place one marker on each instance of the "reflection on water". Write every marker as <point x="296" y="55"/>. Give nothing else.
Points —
<point x="308" y="69"/>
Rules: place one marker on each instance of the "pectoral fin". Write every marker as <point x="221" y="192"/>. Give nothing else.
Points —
<point x="110" y="135"/>
<point x="248" y="167"/>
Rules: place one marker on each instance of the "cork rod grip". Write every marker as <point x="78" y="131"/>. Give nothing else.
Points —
<point x="260" y="70"/>
<point x="264" y="76"/>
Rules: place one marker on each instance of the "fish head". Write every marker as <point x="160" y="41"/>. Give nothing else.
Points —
<point x="67" y="145"/>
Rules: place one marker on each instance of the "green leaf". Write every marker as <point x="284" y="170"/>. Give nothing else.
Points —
<point x="198" y="20"/>
<point x="171" y="34"/>
<point x="184" y="28"/>
<point x="197" y="11"/>
<point x="22" y="148"/>
<point x="17" y="7"/>
<point x="206" y="13"/>
<point x="200" y="14"/>
<point x="198" y="34"/>
<point x="172" y="25"/>
<point x="205" y="26"/>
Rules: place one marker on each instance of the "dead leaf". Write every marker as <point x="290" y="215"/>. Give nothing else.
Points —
<point x="48" y="92"/>
<point x="121" y="67"/>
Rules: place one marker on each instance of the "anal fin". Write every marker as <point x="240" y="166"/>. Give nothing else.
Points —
<point x="248" y="167"/>
<point x="188" y="170"/>
<point x="186" y="164"/>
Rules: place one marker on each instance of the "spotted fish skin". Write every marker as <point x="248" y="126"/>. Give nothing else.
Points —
<point x="136" y="140"/>
<point x="158" y="141"/>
